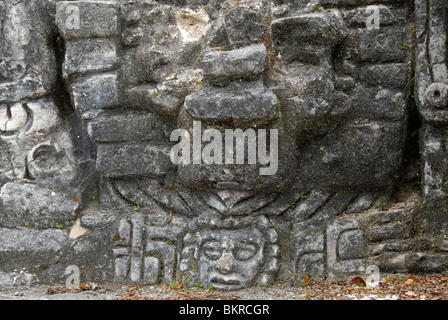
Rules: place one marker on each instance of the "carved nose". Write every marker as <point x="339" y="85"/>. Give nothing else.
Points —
<point x="226" y="264"/>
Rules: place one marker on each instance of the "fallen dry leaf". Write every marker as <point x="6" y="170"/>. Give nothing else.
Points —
<point x="409" y="282"/>
<point x="306" y="281"/>
<point x="412" y="277"/>
<point x="358" y="280"/>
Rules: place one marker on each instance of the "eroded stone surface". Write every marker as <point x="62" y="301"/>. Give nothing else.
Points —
<point x="33" y="206"/>
<point x="245" y="101"/>
<point x="222" y="66"/>
<point x="86" y="113"/>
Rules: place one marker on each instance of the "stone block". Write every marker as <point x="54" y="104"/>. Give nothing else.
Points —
<point x="352" y="245"/>
<point x="344" y="83"/>
<point x="151" y="270"/>
<point x="223" y="66"/>
<point x="305" y="38"/>
<point x="390" y="43"/>
<point x="239" y="100"/>
<point x="389" y="15"/>
<point x="435" y="180"/>
<point x="98" y="219"/>
<point x="123" y="236"/>
<point x="392" y="231"/>
<point x="311" y="264"/>
<point x="365" y="153"/>
<point x="147" y="59"/>
<point x="433" y="217"/>
<point x="121" y="270"/>
<point x="379" y="103"/>
<point x="87" y="19"/>
<point x="92" y="94"/>
<point x="303" y="28"/>
<point x="34" y="206"/>
<point x="89" y="55"/>
<point x="393" y="75"/>
<point x="307" y="253"/>
<point x="118" y="160"/>
<point x="32" y="241"/>
<point x="410" y="262"/>
<point x="344" y="257"/>
<point x="130" y="127"/>
<point x="148" y="97"/>
<point x="444" y="246"/>
<point x="245" y="25"/>
<point x="10" y="279"/>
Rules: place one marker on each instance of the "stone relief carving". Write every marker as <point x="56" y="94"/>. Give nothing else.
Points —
<point x="232" y="253"/>
<point x="431" y="73"/>
<point x="86" y="119"/>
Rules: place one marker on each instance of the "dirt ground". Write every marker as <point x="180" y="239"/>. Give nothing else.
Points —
<point x="395" y="287"/>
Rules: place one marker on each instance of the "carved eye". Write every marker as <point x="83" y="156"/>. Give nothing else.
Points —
<point x="245" y="252"/>
<point x="212" y="250"/>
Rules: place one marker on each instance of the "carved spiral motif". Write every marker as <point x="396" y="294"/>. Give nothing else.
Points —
<point x="437" y="95"/>
<point x="12" y="118"/>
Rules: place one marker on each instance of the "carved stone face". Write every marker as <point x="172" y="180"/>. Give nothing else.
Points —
<point x="230" y="260"/>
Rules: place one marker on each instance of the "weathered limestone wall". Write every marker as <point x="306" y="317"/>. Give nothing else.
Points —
<point x="91" y="91"/>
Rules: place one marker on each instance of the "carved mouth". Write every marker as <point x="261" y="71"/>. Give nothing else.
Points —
<point x="226" y="282"/>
